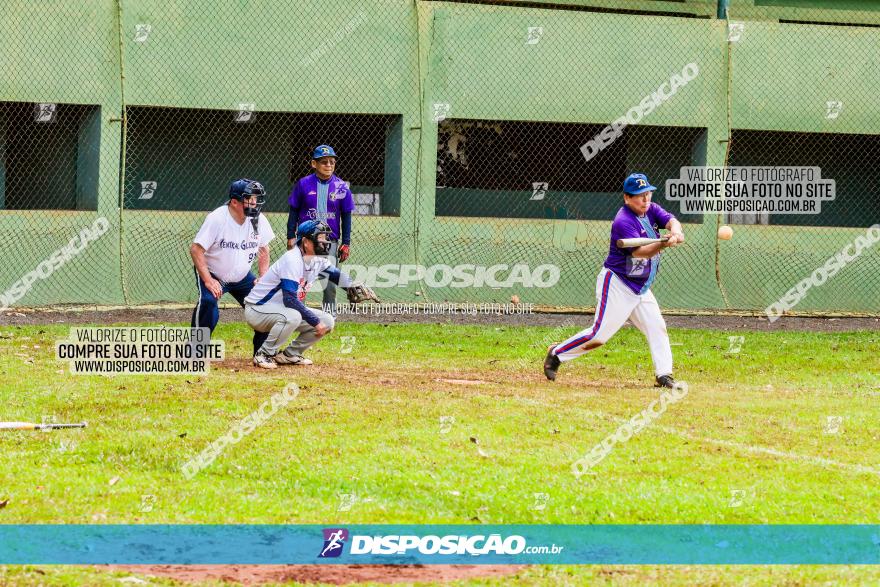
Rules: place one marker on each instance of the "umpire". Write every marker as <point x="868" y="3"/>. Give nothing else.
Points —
<point x="324" y="197"/>
<point x="224" y="251"/>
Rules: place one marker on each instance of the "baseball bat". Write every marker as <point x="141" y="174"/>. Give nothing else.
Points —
<point x="626" y="243"/>
<point x="34" y="426"/>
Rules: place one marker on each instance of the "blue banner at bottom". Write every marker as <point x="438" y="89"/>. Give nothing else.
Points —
<point x="439" y="544"/>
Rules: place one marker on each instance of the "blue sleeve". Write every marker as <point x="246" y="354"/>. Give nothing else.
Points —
<point x="292" y="217"/>
<point x="346" y="228"/>
<point x="295" y="202"/>
<point x="288" y="290"/>
<point x="338" y="277"/>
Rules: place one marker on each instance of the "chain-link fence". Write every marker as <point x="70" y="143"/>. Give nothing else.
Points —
<point x="60" y="114"/>
<point x="472" y="136"/>
<point x="803" y="83"/>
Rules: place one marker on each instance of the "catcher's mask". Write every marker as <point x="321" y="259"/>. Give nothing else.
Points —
<point x="242" y="190"/>
<point x="310" y="229"/>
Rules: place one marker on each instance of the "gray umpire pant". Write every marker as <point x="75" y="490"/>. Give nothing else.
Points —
<point x="281" y="322"/>
<point x="329" y="300"/>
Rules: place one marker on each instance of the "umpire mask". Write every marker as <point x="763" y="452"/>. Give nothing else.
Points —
<point x="253" y="211"/>
<point x="245" y="189"/>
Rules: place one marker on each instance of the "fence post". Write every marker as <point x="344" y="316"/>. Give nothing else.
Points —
<point x="123" y="129"/>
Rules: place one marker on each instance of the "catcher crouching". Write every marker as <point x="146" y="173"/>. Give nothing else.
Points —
<point x="276" y="303"/>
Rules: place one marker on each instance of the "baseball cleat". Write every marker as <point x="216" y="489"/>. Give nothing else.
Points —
<point x="264" y="362"/>
<point x="285" y="359"/>
<point x="665" y="381"/>
<point x="551" y="365"/>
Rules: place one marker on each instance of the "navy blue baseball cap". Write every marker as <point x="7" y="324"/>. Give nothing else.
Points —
<point x="637" y="183"/>
<point x="323" y="151"/>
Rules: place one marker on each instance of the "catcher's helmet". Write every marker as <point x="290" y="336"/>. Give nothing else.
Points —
<point x="310" y="229"/>
<point x="242" y="189"/>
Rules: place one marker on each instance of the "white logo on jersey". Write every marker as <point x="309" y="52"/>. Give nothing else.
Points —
<point x="636" y="267"/>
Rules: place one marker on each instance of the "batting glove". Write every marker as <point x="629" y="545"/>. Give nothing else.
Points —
<point x="344" y="252"/>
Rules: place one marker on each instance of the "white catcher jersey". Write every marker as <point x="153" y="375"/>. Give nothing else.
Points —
<point x="290" y="268"/>
<point x="230" y="247"/>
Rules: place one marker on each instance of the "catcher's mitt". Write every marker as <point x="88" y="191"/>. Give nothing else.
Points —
<point x="358" y="292"/>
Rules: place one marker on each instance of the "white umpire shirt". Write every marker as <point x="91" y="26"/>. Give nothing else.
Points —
<point x="230" y="247"/>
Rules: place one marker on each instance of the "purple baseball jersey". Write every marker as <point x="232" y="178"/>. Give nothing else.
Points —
<point x="637" y="274"/>
<point x="305" y="198"/>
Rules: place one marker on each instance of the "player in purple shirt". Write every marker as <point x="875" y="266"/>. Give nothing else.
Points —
<point x="623" y="288"/>
<point x="323" y="196"/>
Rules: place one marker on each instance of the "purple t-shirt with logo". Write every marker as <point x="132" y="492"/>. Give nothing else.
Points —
<point x="637" y="274"/>
<point x="304" y="198"/>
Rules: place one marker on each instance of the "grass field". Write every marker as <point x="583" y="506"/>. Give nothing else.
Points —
<point x="456" y="424"/>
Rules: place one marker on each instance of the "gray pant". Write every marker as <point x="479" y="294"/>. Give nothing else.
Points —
<point x="329" y="300"/>
<point x="281" y="322"/>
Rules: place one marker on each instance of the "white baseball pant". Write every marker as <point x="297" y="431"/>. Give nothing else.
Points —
<point x="615" y="304"/>
<point x="281" y="322"/>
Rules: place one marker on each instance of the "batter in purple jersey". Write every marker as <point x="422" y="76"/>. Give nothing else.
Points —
<point x="623" y="287"/>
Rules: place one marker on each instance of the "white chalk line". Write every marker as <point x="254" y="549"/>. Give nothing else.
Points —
<point x="782" y="454"/>
<point x="810" y="459"/>
<point x="814" y="460"/>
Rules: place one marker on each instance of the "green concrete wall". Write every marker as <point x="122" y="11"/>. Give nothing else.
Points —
<point x="67" y="53"/>
<point x="399" y="57"/>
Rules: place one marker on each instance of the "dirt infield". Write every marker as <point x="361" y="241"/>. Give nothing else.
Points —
<point x="177" y="315"/>
<point x="327" y="574"/>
